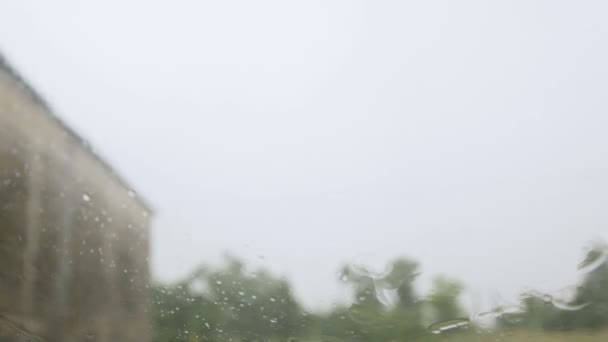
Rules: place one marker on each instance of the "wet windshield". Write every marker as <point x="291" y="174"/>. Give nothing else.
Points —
<point x="303" y="171"/>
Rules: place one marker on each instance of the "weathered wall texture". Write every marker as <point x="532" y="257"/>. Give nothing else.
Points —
<point x="73" y="238"/>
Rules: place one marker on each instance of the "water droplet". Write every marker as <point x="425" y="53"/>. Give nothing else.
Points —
<point x="388" y="297"/>
<point x="131" y="193"/>
<point x="569" y="306"/>
<point x="444" y="326"/>
<point x="86" y="197"/>
<point x="595" y="258"/>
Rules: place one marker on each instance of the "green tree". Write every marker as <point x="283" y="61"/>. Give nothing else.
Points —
<point x="229" y="302"/>
<point x="443" y="299"/>
<point x="385" y="306"/>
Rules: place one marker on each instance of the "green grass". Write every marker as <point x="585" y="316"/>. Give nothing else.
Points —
<point x="530" y="336"/>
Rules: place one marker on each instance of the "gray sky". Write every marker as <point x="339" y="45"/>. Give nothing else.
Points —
<point x="470" y="136"/>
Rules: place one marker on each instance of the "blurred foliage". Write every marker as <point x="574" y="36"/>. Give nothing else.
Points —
<point x="227" y="303"/>
<point x="233" y="303"/>
<point x="443" y="299"/>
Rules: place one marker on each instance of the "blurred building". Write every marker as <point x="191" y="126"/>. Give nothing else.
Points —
<point x="73" y="236"/>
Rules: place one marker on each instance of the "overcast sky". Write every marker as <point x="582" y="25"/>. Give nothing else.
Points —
<point x="468" y="135"/>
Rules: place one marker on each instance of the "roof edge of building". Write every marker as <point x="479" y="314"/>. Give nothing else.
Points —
<point x="38" y="99"/>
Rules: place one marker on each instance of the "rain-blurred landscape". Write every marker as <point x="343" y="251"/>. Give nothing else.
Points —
<point x="234" y="301"/>
<point x="314" y="171"/>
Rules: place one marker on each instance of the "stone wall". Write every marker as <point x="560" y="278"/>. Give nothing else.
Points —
<point x="73" y="237"/>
